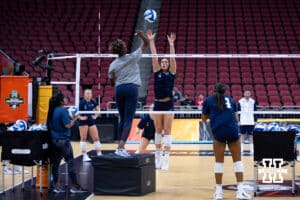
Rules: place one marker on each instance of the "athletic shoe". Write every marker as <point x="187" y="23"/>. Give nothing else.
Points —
<point x="99" y="154"/>
<point x="218" y="195"/>
<point x="158" y="159"/>
<point x="165" y="162"/>
<point x="86" y="158"/>
<point x="122" y="152"/>
<point x="18" y="170"/>
<point x="58" y="189"/>
<point x="241" y="194"/>
<point x="77" y="189"/>
<point x="8" y="170"/>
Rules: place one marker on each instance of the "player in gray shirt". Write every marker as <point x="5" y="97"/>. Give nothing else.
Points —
<point x="124" y="74"/>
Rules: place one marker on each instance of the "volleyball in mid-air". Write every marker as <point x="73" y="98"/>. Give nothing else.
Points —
<point x="150" y="15"/>
<point x="73" y="111"/>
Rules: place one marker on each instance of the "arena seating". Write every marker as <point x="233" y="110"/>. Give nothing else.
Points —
<point x="243" y="27"/>
<point x="66" y="26"/>
<point x="264" y="27"/>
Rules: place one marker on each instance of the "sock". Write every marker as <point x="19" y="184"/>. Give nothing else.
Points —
<point x="239" y="186"/>
<point x="82" y="145"/>
<point x="251" y="148"/>
<point x="242" y="147"/>
<point x="166" y="153"/>
<point x="219" y="188"/>
<point x="99" y="154"/>
<point x="157" y="151"/>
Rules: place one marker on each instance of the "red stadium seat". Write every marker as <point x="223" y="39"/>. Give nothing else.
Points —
<point x="73" y="29"/>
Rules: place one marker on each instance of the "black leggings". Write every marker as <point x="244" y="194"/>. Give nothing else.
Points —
<point x="126" y="99"/>
<point x="63" y="149"/>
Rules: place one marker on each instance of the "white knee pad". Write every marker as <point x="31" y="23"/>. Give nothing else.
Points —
<point x="219" y="168"/>
<point x="238" y="166"/>
<point x="167" y="140"/>
<point x="97" y="145"/>
<point x="82" y="146"/>
<point x="157" y="139"/>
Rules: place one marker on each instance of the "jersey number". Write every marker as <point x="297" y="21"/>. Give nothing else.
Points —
<point x="227" y="103"/>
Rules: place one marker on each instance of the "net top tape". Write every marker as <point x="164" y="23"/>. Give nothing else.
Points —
<point x="71" y="56"/>
<point x="286" y="112"/>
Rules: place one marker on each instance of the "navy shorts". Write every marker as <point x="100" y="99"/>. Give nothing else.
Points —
<point x="86" y="123"/>
<point x="226" y="136"/>
<point x="247" y="129"/>
<point x="163" y="106"/>
<point x="148" y="135"/>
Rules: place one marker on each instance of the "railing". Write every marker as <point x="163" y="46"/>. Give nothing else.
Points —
<point x="195" y="112"/>
<point x="6" y="64"/>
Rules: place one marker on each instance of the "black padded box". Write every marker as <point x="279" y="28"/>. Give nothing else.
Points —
<point x="115" y="175"/>
<point x="25" y="147"/>
<point x="274" y="144"/>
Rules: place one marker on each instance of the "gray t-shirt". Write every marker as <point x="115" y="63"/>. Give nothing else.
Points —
<point x="125" y="69"/>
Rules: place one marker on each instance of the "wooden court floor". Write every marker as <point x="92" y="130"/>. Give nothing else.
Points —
<point x="190" y="176"/>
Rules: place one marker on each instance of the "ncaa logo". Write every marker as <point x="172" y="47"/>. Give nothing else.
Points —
<point x="14" y="100"/>
<point x="272" y="170"/>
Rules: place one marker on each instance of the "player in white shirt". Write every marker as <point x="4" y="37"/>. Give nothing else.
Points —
<point x="247" y="106"/>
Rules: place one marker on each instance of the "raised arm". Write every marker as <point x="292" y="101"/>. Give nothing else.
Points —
<point x="155" y="63"/>
<point x="171" y="39"/>
<point x="144" y="38"/>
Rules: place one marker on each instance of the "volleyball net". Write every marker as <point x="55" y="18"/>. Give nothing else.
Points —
<point x="197" y="73"/>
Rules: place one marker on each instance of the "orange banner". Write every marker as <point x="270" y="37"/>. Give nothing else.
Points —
<point x="13" y="98"/>
<point x="182" y="130"/>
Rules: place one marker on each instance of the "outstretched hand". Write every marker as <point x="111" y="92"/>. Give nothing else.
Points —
<point x="150" y="34"/>
<point x="171" y="38"/>
<point x="144" y="38"/>
<point x="138" y="32"/>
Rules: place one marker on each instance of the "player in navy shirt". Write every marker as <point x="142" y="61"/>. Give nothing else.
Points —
<point x="164" y="75"/>
<point x="59" y="124"/>
<point x="147" y="125"/>
<point x="221" y="110"/>
<point x="87" y="124"/>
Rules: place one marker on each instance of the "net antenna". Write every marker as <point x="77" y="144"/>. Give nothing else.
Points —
<point x="99" y="52"/>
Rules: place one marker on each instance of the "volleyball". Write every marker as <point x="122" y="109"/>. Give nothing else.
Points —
<point x="34" y="127"/>
<point x="14" y="127"/>
<point x="260" y="127"/>
<point x="22" y="124"/>
<point x="19" y="125"/>
<point x="296" y="128"/>
<point x="283" y="128"/>
<point x="73" y="111"/>
<point x="150" y="15"/>
<point x="43" y="127"/>
<point x="273" y="126"/>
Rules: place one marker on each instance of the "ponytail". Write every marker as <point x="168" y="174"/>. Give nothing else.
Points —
<point x="219" y="95"/>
